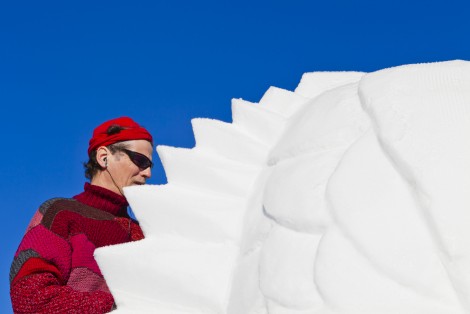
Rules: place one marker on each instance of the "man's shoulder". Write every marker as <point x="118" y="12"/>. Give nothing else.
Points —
<point x="48" y="210"/>
<point x="52" y="207"/>
<point x="53" y="202"/>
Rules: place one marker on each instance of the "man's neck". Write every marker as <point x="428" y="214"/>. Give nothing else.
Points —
<point x="104" y="180"/>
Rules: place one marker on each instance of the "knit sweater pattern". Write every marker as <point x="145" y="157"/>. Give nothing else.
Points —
<point x="54" y="270"/>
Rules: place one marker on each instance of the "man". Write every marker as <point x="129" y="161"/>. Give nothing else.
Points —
<point x="54" y="270"/>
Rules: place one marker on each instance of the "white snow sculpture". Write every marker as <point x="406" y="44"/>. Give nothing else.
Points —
<point x="349" y="195"/>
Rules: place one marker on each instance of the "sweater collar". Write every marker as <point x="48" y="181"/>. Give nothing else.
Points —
<point x="104" y="199"/>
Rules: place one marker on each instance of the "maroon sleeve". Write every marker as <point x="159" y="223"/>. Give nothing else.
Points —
<point x="52" y="275"/>
<point x="43" y="293"/>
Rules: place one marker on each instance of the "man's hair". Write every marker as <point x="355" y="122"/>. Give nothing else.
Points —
<point x="92" y="166"/>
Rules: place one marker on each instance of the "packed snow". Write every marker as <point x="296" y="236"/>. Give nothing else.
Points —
<point x="348" y="195"/>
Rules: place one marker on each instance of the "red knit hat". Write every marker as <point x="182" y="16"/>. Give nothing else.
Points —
<point x="131" y="131"/>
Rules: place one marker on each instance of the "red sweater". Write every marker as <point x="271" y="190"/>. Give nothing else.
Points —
<point x="54" y="270"/>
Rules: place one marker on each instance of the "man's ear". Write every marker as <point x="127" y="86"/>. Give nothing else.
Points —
<point x="102" y="154"/>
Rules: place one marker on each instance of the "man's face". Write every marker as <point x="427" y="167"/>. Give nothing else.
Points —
<point x="124" y="171"/>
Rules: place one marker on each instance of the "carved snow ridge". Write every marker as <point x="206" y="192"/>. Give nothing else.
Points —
<point x="334" y="198"/>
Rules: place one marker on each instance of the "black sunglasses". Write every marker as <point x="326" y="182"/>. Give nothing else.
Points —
<point x="140" y="160"/>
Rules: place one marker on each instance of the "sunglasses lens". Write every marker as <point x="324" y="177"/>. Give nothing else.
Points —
<point x="139" y="160"/>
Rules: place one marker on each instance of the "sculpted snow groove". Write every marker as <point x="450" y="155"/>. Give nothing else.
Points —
<point x="349" y="195"/>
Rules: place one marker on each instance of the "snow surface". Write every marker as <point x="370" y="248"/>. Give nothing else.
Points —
<point x="349" y="195"/>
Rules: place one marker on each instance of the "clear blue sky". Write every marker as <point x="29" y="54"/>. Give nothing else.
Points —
<point x="66" y="66"/>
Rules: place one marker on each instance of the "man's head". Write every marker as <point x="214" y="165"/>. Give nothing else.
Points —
<point x="120" y="155"/>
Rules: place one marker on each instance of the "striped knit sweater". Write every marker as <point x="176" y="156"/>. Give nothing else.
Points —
<point x="54" y="270"/>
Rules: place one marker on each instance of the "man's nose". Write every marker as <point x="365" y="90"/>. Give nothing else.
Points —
<point x="147" y="172"/>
